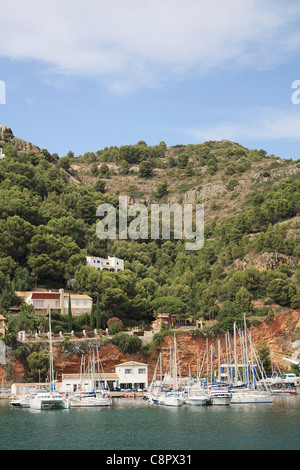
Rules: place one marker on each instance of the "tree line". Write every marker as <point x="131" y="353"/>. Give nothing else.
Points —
<point x="48" y="226"/>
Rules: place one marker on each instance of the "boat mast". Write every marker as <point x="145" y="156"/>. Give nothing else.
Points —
<point x="235" y="356"/>
<point x="246" y="352"/>
<point x="50" y="354"/>
<point x="219" y="359"/>
<point x="175" y="364"/>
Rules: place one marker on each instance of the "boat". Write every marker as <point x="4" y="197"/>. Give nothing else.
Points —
<point x="281" y="388"/>
<point x="92" y="397"/>
<point x="23" y="401"/>
<point x="248" y="396"/>
<point x="197" y="398"/>
<point x="51" y="399"/>
<point x="48" y="400"/>
<point x="89" y="401"/>
<point x="154" y="391"/>
<point x="173" y="399"/>
<point x="222" y="398"/>
<point x="282" y="384"/>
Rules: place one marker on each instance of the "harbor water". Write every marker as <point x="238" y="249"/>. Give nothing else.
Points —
<point x="136" y="424"/>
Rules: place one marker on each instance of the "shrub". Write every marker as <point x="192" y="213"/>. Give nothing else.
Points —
<point x="232" y="184"/>
<point x="115" y="325"/>
<point x="128" y="344"/>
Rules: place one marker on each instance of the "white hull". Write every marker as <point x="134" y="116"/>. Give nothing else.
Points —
<point x="286" y="392"/>
<point x="20" y="403"/>
<point x="172" y="400"/>
<point x="220" y="399"/>
<point x="249" y="398"/>
<point x="200" y="400"/>
<point x="46" y="401"/>
<point x="87" y="402"/>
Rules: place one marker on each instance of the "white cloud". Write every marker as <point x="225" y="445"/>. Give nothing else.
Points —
<point x="135" y="42"/>
<point x="255" y="124"/>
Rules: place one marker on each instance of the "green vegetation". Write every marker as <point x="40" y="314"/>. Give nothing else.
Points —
<point x="48" y="225"/>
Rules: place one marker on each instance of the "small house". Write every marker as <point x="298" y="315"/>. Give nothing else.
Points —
<point x="132" y="375"/>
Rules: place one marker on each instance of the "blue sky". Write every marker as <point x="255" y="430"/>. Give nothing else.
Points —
<point x="85" y="75"/>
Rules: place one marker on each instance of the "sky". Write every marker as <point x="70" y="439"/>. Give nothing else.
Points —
<point x="83" y="76"/>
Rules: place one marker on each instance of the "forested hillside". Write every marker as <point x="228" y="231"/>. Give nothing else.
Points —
<point x="251" y="249"/>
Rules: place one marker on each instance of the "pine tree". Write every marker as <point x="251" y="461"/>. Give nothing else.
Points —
<point x="70" y="315"/>
<point x="98" y="315"/>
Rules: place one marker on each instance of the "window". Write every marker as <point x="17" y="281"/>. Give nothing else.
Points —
<point x="141" y="371"/>
<point x="38" y="303"/>
<point x="128" y="371"/>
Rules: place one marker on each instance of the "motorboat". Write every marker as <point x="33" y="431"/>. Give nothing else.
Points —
<point x="23" y="401"/>
<point x="220" y="397"/>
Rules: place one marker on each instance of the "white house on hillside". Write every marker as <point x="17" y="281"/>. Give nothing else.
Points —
<point x="1" y="154"/>
<point x="111" y="264"/>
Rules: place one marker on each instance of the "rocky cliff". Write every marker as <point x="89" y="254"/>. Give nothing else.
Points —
<point x="7" y="136"/>
<point x="282" y="334"/>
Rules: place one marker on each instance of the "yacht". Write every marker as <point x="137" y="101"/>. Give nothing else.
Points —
<point x="219" y="397"/>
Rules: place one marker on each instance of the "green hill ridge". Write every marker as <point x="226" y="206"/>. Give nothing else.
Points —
<point x="251" y="235"/>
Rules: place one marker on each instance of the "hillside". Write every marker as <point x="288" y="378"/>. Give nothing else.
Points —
<point x="222" y="175"/>
<point x="249" y="262"/>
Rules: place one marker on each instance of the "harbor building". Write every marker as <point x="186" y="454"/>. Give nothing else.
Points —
<point x="132" y="375"/>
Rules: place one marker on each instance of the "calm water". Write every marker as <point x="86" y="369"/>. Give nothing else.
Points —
<point x="138" y="425"/>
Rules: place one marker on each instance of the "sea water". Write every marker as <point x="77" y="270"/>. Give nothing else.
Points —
<point x="136" y="424"/>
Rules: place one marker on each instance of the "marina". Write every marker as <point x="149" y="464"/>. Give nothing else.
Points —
<point x="234" y="383"/>
<point x="231" y="407"/>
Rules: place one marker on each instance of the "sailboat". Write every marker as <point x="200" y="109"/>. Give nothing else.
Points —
<point x="91" y="398"/>
<point x="154" y="390"/>
<point x="51" y="399"/>
<point x="217" y="394"/>
<point x="174" y="398"/>
<point x="249" y="394"/>
<point x="195" y="394"/>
